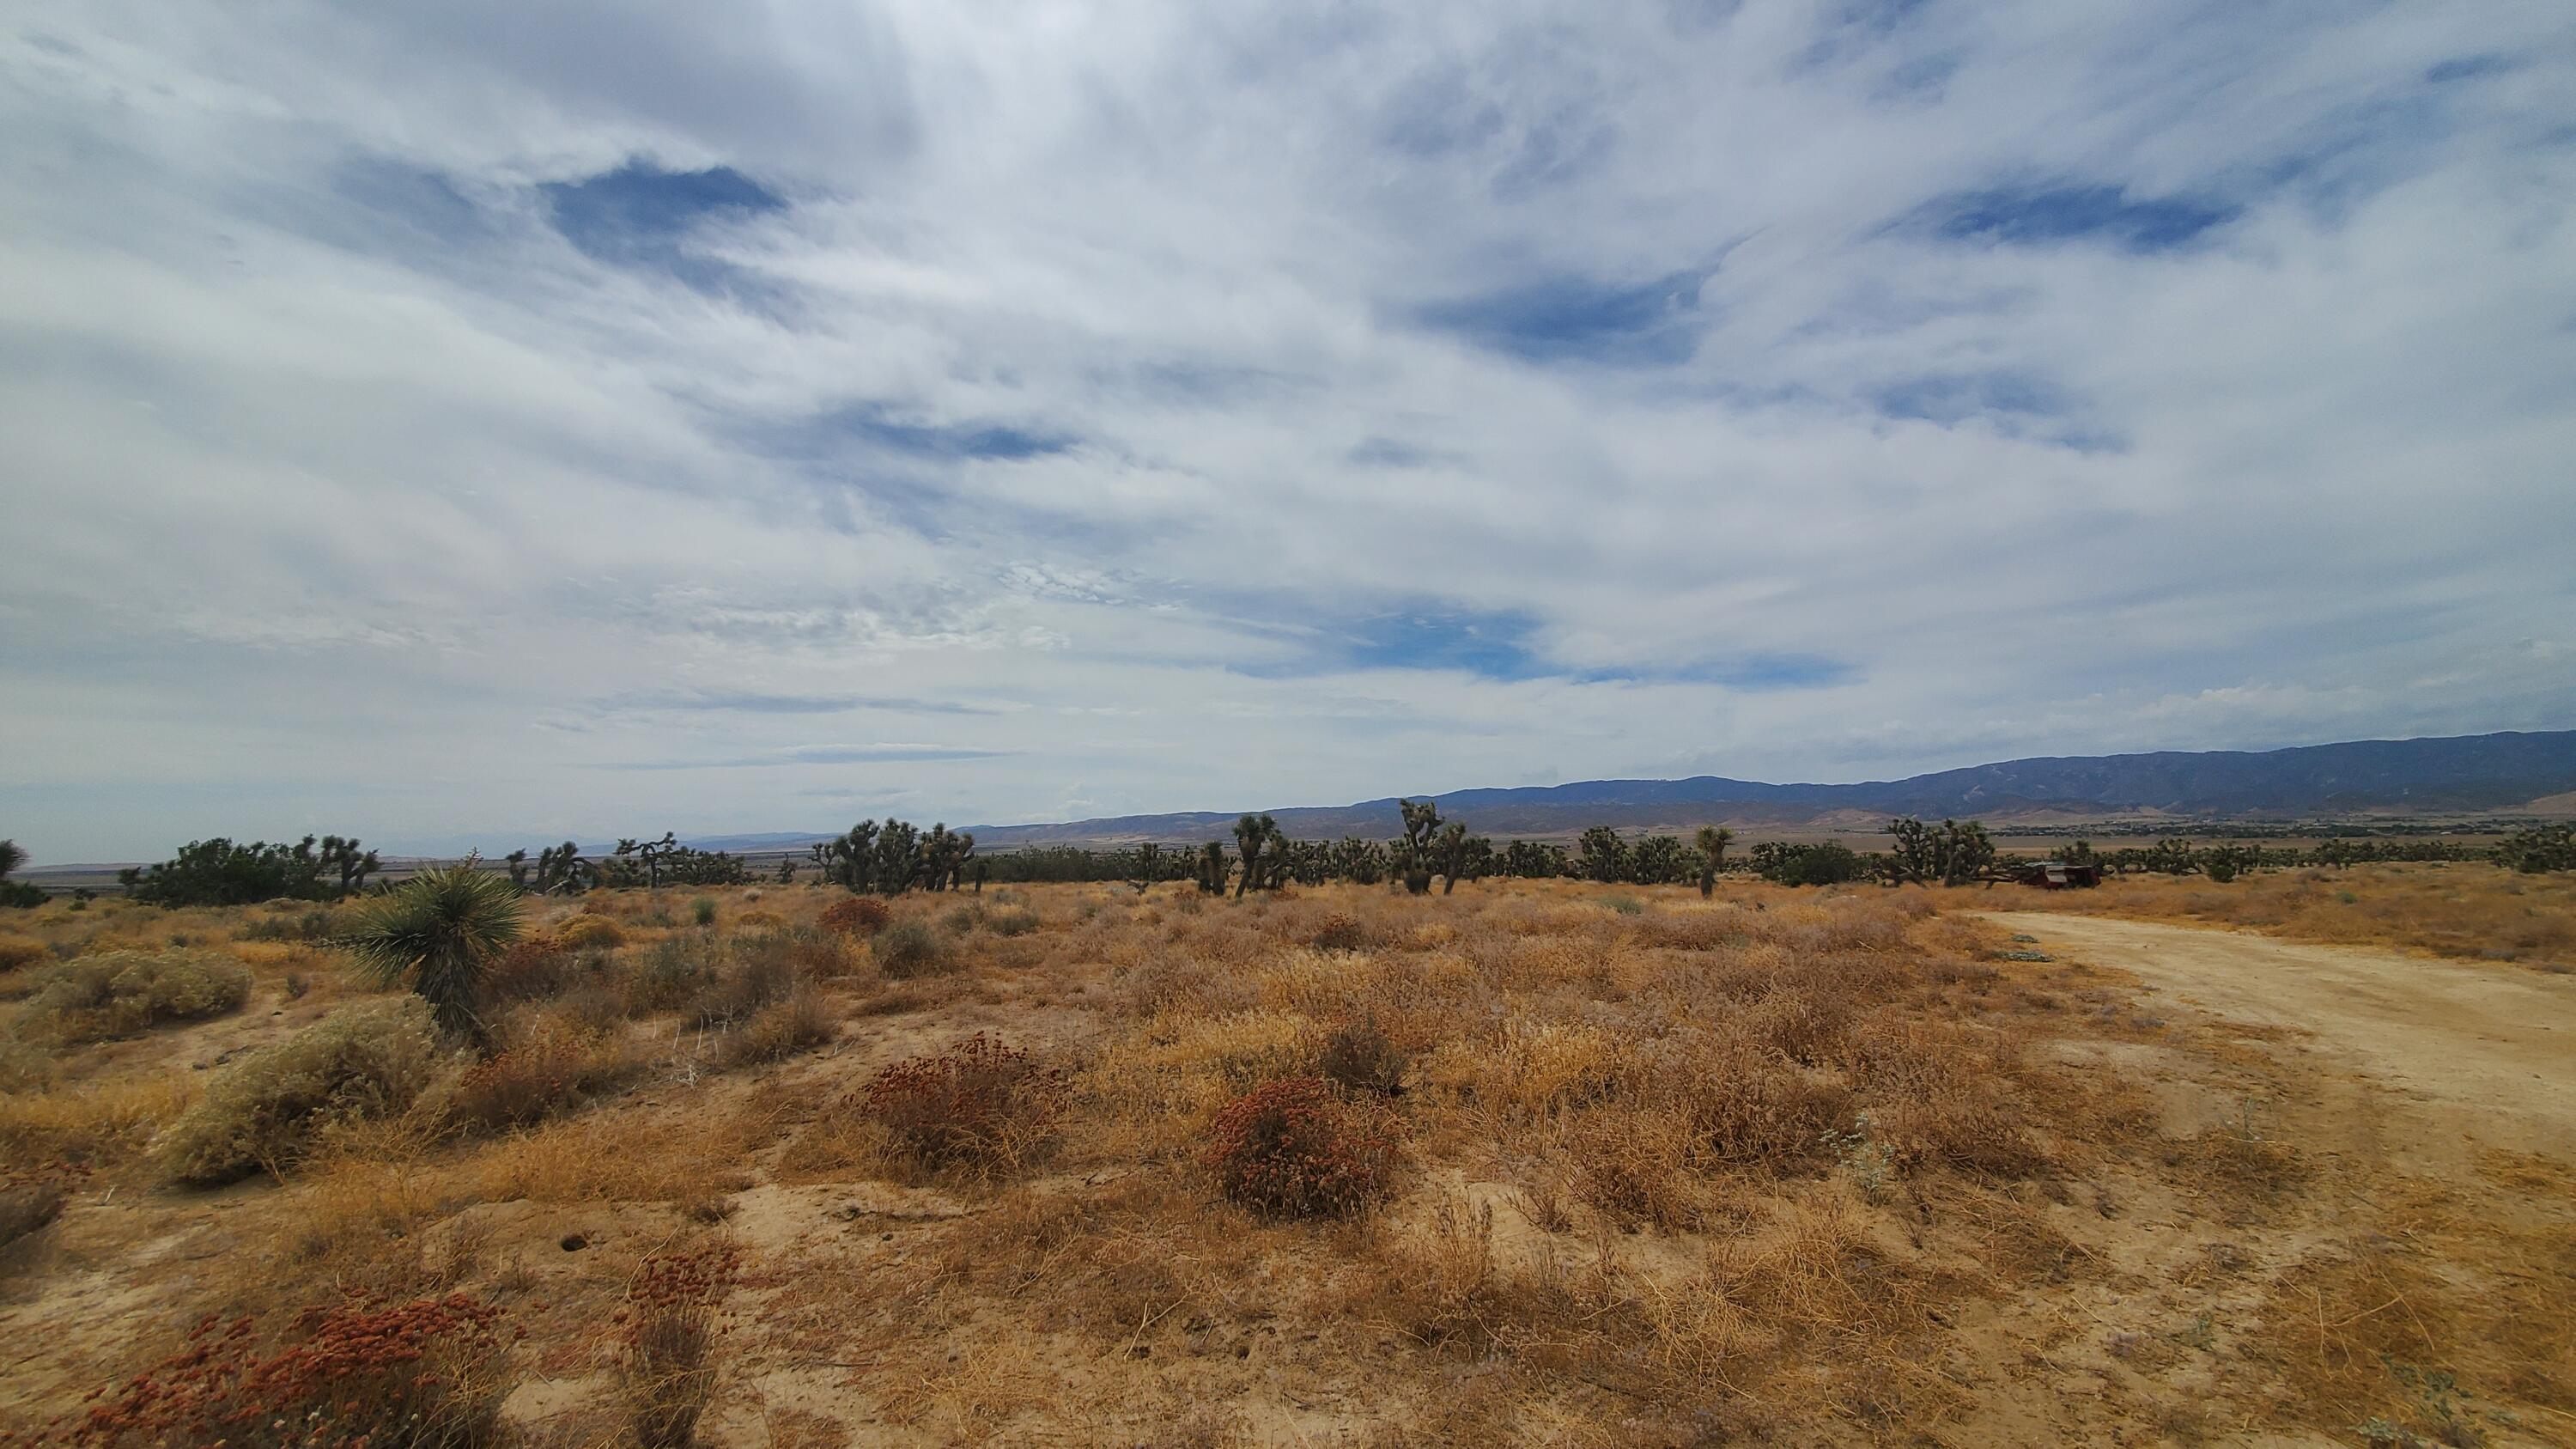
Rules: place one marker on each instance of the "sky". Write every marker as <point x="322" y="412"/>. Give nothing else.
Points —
<point x="464" y="422"/>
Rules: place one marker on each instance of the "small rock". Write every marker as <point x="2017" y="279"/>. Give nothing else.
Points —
<point x="575" y="1242"/>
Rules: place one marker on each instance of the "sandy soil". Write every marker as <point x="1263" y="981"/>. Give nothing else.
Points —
<point x="2487" y="1050"/>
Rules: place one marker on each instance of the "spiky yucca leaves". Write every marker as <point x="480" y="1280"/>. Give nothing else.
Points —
<point x="440" y="931"/>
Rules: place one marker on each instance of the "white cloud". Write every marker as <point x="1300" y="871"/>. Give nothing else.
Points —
<point x="1163" y="381"/>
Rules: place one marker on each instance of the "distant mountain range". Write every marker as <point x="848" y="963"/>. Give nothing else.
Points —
<point x="2464" y="774"/>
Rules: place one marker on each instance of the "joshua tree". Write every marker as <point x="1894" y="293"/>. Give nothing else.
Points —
<point x="1413" y="853"/>
<point x="1212" y="869"/>
<point x="561" y="870"/>
<point x="13" y="893"/>
<point x="1605" y="855"/>
<point x="787" y="870"/>
<point x="354" y="867"/>
<point x="1148" y="869"/>
<point x="651" y="853"/>
<point x="1254" y="834"/>
<point x="898" y="855"/>
<point x="439" y="932"/>
<point x="943" y="857"/>
<point x="1713" y="841"/>
<point x="517" y="860"/>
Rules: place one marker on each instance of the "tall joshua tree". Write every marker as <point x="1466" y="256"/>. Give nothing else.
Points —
<point x="561" y="870"/>
<point x="1713" y="841"/>
<point x="439" y="932"/>
<point x="1212" y="868"/>
<point x="354" y="865"/>
<point x="1421" y="818"/>
<point x="1253" y="834"/>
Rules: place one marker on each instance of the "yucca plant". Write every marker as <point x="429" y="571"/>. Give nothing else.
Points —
<point x="440" y="931"/>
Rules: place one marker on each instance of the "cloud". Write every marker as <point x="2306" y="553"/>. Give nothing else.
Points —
<point x="438" y="419"/>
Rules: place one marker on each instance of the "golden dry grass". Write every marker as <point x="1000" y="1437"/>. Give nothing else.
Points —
<point x="2466" y="909"/>
<point x="1780" y="1166"/>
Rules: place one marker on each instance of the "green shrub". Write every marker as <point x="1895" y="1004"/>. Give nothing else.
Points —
<point x="908" y="949"/>
<point x="270" y="1110"/>
<point x="703" y="911"/>
<point x="120" y="993"/>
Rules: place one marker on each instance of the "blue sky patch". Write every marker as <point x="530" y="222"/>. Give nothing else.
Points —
<point x="1581" y="319"/>
<point x="2036" y="215"/>
<point x="1953" y="397"/>
<point x="1003" y="442"/>
<point x="1752" y="673"/>
<point x="642" y="215"/>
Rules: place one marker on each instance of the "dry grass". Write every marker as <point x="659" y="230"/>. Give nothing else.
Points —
<point x="2470" y="910"/>
<point x="1798" y="1166"/>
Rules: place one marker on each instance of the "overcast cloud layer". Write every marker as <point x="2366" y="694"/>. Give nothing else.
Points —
<point x="479" y="421"/>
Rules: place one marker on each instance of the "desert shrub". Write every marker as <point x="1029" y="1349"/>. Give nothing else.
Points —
<point x="703" y="911"/>
<point x="27" y="1208"/>
<point x="814" y="954"/>
<point x="271" y="1109"/>
<point x="550" y="1068"/>
<point x="1292" y="1148"/>
<point x="425" y="1374"/>
<point x="856" y="916"/>
<point x="314" y="925"/>
<point x="17" y="951"/>
<point x="1633" y="1167"/>
<point x="119" y="993"/>
<point x="665" y="1369"/>
<point x="760" y="974"/>
<point x="1750" y="1108"/>
<point x="533" y="968"/>
<point x="674" y="971"/>
<point x="908" y="949"/>
<point x="1938" y="1095"/>
<point x="797" y="1023"/>
<point x="1340" y="932"/>
<point x="586" y="932"/>
<point x="1017" y="921"/>
<point x="980" y="1107"/>
<point x="1360" y="1058"/>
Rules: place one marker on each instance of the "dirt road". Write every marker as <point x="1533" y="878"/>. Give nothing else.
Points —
<point x="2491" y="1049"/>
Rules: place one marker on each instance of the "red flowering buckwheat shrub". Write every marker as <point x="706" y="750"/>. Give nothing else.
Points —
<point x="669" y="1325"/>
<point x="1293" y="1149"/>
<point x="363" y="1375"/>
<point x="979" y="1106"/>
<point x="856" y="916"/>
